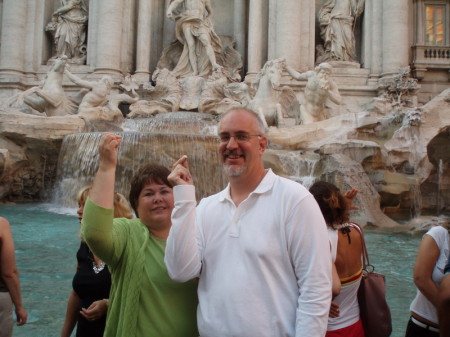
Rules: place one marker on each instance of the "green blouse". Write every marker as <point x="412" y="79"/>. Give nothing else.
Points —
<point x="144" y="301"/>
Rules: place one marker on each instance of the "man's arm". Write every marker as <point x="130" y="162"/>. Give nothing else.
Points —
<point x="64" y="9"/>
<point x="298" y="76"/>
<point x="182" y="256"/>
<point x="309" y="249"/>
<point x="333" y="93"/>
<point x="173" y="5"/>
<point x="75" y="79"/>
<point x="209" y="9"/>
<point x="9" y="270"/>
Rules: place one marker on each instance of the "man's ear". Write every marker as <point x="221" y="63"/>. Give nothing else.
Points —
<point x="263" y="143"/>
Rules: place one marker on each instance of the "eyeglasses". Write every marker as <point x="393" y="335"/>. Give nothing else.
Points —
<point x="240" y="137"/>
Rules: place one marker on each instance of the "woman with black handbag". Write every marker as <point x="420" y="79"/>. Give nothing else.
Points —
<point x="346" y="249"/>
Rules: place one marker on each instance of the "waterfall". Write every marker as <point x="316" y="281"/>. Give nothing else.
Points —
<point x="78" y="158"/>
<point x="300" y="167"/>
<point x="416" y="205"/>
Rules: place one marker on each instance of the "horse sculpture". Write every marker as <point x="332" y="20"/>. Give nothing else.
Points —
<point x="271" y="101"/>
<point x="48" y="98"/>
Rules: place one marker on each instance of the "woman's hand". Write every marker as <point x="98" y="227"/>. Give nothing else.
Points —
<point x="95" y="311"/>
<point x="22" y="316"/>
<point x="334" y="310"/>
<point x="349" y="196"/>
<point x="108" y="149"/>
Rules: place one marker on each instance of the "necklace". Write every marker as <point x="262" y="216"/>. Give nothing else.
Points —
<point x="98" y="269"/>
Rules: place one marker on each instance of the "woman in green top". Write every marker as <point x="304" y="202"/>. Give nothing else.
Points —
<point x="144" y="301"/>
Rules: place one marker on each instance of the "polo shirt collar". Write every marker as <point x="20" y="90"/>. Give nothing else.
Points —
<point x="265" y="185"/>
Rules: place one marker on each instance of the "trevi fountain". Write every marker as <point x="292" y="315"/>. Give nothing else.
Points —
<point x="342" y="100"/>
<point x="355" y="92"/>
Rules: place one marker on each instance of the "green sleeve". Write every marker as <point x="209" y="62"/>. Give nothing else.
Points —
<point x="101" y="233"/>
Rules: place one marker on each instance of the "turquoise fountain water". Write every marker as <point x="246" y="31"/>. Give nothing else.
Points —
<point x="46" y="239"/>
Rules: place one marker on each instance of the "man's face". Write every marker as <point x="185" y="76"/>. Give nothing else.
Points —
<point x="324" y="74"/>
<point x="241" y="154"/>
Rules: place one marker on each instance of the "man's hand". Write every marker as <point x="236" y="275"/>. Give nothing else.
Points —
<point x="180" y="174"/>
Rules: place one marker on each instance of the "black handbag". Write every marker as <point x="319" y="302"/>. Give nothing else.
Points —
<point x="373" y="307"/>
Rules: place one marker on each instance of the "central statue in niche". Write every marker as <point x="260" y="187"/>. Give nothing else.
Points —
<point x="195" y="31"/>
<point x="198" y="51"/>
<point x="201" y="61"/>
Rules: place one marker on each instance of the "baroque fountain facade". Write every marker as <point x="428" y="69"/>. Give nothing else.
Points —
<point x="362" y="102"/>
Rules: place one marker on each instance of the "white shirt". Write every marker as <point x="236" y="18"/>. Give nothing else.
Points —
<point x="264" y="266"/>
<point x="420" y="305"/>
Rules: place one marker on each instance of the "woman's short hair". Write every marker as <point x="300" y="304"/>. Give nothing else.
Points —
<point x="122" y="208"/>
<point x="331" y="202"/>
<point x="147" y="174"/>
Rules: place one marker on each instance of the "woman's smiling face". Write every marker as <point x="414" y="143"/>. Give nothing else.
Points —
<point x="155" y="205"/>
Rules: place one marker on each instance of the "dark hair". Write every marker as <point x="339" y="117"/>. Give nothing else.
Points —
<point x="149" y="173"/>
<point x="331" y="202"/>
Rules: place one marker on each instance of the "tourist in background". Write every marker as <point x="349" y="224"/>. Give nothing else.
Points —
<point x="346" y="250"/>
<point x="428" y="273"/>
<point x="444" y="302"/>
<point x="88" y="300"/>
<point x="259" y="246"/>
<point x="9" y="283"/>
<point x="143" y="301"/>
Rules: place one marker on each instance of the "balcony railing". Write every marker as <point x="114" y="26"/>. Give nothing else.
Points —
<point x="431" y="57"/>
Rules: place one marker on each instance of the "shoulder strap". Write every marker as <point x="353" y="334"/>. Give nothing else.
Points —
<point x="366" y="262"/>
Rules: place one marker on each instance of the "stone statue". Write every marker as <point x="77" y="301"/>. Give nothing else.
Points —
<point x="68" y="27"/>
<point x="194" y="30"/>
<point x="48" y="98"/>
<point x="98" y="103"/>
<point x="165" y="96"/>
<point x="337" y="19"/>
<point x="272" y="101"/>
<point x="319" y="88"/>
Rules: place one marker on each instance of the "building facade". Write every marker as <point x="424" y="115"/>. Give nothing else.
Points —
<point x="128" y="36"/>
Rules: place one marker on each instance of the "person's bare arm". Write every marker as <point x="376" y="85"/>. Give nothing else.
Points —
<point x="71" y="314"/>
<point x="174" y="4"/>
<point x="443" y="307"/>
<point x="64" y="9"/>
<point x="423" y="269"/>
<point x="333" y="93"/>
<point x="75" y="79"/>
<point x="9" y="271"/>
<point x="295" y="74"/>
<point x="209" y="9"/>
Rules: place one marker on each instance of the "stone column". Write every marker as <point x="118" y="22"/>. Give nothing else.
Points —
<point x="109" y="37"/>
<point x="372" y="39"/>
<point x="294" y="38"/>
<point x="395" y="36"/>
<point x="257" y="36"/>
<point x="13" y="37"/>
<point x="144" y="42"/>
<point x="239" y="20"/>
